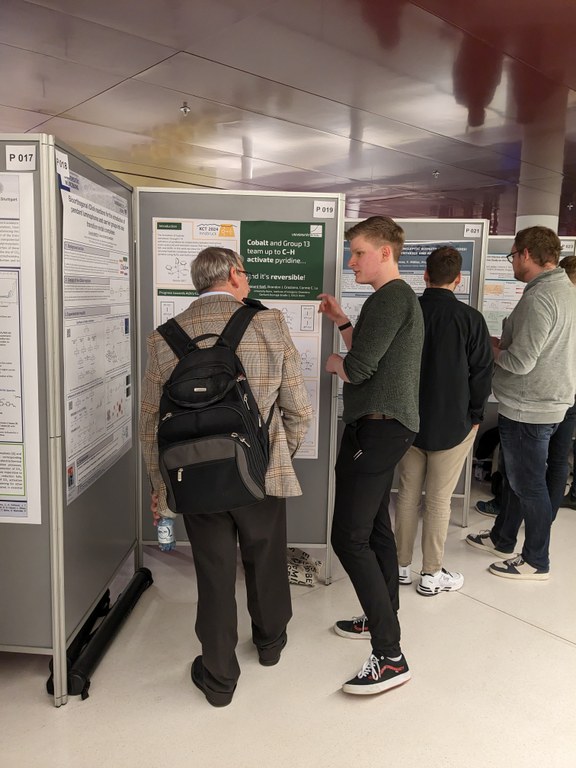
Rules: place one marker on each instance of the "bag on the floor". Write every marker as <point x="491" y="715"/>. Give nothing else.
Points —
<point x="302" y="569"/>
<point x="212" y="441"/>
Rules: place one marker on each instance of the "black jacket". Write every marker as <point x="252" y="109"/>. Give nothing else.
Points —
<point x="456" y="374"/>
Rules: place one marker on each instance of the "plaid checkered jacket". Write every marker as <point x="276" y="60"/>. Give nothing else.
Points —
<point x="272" y="365"/>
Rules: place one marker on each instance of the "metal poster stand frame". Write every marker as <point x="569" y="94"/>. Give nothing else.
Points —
<point x="309" y="514"/>
<point x="61" y="564"/>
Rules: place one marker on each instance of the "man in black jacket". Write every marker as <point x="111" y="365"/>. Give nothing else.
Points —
<point x="455" y="383"/>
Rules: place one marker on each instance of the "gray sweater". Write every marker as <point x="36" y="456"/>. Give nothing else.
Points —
<point x="535" y="376"/>
<point x="383" y="364"/>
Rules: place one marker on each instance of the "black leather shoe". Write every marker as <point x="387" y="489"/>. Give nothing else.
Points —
<point x="269" y="657"/>
<point x="568" y="501"/>
<point x="216" y="698"/>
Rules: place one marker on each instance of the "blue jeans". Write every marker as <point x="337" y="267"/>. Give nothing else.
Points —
<point x="558" y="453"/>
<point x="525" y="494"/>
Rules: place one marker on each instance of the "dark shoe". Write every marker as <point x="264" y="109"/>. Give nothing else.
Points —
<point x="518" y="568"/>
<point x="489" y="508"/>
<point x="483" y="541"/>
<point x="356" y="627"/>
<point x="568" y="501"/>
<point x="269" y="657"/>
<point x="216" y="698"/>
<point x="378" y="674"/>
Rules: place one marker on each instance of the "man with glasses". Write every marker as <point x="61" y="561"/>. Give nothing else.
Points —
<point x="273" y="369"/>
<point x="534" y="383"/>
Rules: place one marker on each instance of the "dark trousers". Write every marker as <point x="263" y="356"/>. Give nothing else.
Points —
<point x="558" y="456"/>
<point x="362" y="535"/>
<point x="260" y="529"/>
<point x="526" y="495"/>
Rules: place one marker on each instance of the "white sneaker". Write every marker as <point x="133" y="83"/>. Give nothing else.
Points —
<point x="404" y="574"/>
<point x="441" y="581"/>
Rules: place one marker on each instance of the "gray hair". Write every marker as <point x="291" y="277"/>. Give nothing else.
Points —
<point x="211" y="267"/>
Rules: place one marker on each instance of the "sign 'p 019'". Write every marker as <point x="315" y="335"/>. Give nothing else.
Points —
<point x="324" y="209"/>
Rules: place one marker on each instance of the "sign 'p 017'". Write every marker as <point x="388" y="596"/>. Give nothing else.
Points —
<point x="21" y="157"/>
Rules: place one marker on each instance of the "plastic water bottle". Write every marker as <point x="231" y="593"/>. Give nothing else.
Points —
<point x="166" y="540"/>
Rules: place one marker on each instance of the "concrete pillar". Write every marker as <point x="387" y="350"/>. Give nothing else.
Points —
<point x="542" y="162"/>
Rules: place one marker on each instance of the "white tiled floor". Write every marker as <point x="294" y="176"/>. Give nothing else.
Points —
<point x="494" y="681"/>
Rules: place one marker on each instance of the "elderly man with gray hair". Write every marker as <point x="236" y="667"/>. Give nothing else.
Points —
<point x="273" y="369"/>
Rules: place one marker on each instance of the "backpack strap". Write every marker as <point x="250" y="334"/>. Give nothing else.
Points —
<point x="240" y="320"/>
<point x="176" y="338"/>
<point x="181" y="344"/>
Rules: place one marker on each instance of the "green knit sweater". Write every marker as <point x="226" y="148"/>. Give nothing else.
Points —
<point x="383" y="364"/>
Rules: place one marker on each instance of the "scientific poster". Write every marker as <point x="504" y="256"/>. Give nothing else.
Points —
<point x="501" y="291"/>
<point x="412" y="266"/>
<point x="286" y="265"/>
<point x="19" y="418"/>
<point x="97" y="331"/>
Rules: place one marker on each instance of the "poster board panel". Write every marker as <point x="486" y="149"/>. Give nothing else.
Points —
<point x="272" y="231"/>
<point x="100" y="451"/>
<point x="25" y="601"/>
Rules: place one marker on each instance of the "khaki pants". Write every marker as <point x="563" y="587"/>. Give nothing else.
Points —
<point x="435" y="472"/>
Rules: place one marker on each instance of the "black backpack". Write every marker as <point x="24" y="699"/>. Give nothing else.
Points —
<point x="212" y="441"/>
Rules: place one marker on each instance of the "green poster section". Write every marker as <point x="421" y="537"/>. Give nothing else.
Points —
<point x="285" y="259"/>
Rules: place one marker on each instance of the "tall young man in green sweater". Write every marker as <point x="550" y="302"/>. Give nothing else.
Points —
<point x="381" y="386"/>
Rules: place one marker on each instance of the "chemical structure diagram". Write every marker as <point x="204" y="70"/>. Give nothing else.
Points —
<point x="179" y="270"/>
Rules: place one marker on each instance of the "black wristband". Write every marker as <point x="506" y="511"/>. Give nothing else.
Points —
<point x="344" y="326"/>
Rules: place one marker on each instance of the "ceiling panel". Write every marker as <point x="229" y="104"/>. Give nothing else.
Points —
<point x="411" y="107"/>
<point x="229" y="87"/>
<point x="175" y="23"/>
<point x="19" y="120"/>
<point x="33" y="28"/>
<point x="531" y="31"/>
<point x="45" y="84"/>
<point x="167" y="154"/>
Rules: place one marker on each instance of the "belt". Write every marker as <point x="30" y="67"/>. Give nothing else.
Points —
<point x="375" y="416"/>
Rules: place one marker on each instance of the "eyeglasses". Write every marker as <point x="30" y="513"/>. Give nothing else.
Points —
<point x="243" y="272"/>
<point x="511" y="255"/>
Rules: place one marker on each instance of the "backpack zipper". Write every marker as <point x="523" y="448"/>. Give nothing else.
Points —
<point x="242" y="439"/>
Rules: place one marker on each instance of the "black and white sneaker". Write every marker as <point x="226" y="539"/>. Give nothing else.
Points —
<point x="356" y="628"/>
<point x="518" y="568"/>
<point x="483" y="541"/>
<point x="378" y="674"/>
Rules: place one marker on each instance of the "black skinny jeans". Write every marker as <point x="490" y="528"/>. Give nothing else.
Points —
<point x="362" y="535"/>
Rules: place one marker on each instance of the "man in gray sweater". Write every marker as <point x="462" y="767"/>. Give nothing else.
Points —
<point x="534" y="383"/>
<point x="381" y="386"/>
